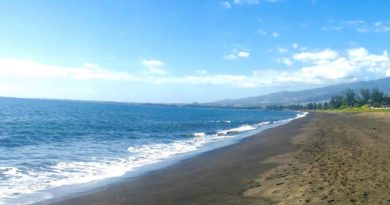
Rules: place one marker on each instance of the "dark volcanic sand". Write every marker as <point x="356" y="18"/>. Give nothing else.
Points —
<point x="217" y="177"/>
<point x="341" y="158"/>
<point x="324" y="158"/>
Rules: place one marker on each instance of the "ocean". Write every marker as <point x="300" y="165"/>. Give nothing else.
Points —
<point x="49" y="144"/>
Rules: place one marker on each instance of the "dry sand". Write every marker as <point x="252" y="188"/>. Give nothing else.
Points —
<point x="340" y="159"/>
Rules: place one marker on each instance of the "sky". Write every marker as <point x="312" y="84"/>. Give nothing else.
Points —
<point x="183" y="51"/>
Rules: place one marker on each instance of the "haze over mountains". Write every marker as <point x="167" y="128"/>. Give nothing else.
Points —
<point x="304" y="96"/>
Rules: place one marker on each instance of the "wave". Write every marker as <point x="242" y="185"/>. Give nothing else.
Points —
<point x="199" y="134"/>
<point x="22" y="182"/>
<point x="263" y="123"/>
<point x="219" y="121"/>
<point x="9" y="170"/>
<point x="19" y="181"/>
<point x="237" y="130"/>
<point x="300" y="115"/>
<point x="297" y="116"/>
<point x="77" y="172"/>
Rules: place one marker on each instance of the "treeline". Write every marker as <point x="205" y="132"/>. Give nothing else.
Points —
<point x="365" y="97"/>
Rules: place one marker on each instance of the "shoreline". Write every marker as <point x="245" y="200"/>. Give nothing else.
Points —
<point x="230" y="132"/>
<point x="191" y="176"/>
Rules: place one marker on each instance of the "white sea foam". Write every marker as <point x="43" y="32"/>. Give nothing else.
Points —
<point x="236" y="130"/>
<point x="297" y="116"/>
<point x="199" y="134"/>
<point x="76" y="172"/>
<point x="300" y="115"/>
<point x="263" y="123"/>
<point x="218" y="121"/>
<point x="12" y="171"/>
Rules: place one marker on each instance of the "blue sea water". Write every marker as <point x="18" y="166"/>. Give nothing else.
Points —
<point x="46" y="144"/>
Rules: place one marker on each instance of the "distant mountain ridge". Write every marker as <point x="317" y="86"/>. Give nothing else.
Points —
<point x="304" y="96"/>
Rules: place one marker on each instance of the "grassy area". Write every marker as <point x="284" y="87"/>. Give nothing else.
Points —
<point x="357" y="109"/>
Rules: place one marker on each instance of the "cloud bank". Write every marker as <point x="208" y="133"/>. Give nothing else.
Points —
<point x="319" y="67"/>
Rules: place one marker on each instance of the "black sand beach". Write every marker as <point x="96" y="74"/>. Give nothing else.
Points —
<point x="217" y="177"/>
<point x="324" y="158"/>
<point x="340" y="158"/>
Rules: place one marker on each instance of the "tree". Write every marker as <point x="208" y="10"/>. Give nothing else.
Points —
<point x="310" y="106"/>
<point x="376" y="97"/>
<point x="325" y="105"/>
<point x="365" y="94"/>
<point x="386" y="101"/>
<point x="349" y="97"/>
<point x="336" y="101"/>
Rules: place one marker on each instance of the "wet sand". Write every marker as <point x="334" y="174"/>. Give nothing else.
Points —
<point x="324" y="158"/>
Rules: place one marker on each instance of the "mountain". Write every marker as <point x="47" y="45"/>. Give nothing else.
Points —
<point x="304" y="96"/>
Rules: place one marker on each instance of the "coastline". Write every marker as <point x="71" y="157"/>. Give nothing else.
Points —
<point x="119" y="147"/>
<point x="216" y="176"/>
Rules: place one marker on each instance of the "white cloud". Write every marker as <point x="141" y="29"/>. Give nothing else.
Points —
<point x="332" y="28"/>
<point x="230" y="57"/>
<point x="295" y="45"/>
<point x="356" y="64"/>
<point x="8" y="89"/>
<point x="91" y="65"/>
<point x="243" y="54"/>
<point x="318" y="68"/>
<point x="357" y="53"/>
<point x="237" y="54"/>
<point x="27" y="68"/>
<point x="380" y="26"/>
<point x="355" y="22"/>
<point x="287" y="62"/>
<point x="358" y="25"/>
<point x="361" y="57"/>
<point x="154" y="66"/>
<point x="275" y="34"/>
<point x="202" y="72"/>
<point x="326" y="54"/>
<point x="226" y="5"/>
<point x="152" y="63"/>
<point x="282" y="50"/>
<point x="155" y="70"/>
<point x="265" y="33"/>
<point x="329" y="70"/>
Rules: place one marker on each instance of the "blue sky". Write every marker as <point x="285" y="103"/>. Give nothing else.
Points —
<point x="188" y="51"/>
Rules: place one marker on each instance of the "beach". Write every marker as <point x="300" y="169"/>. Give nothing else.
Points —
<point x="323" y="158"/>
<point x="341" y="158"/>
<point x="217" y="177"/>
